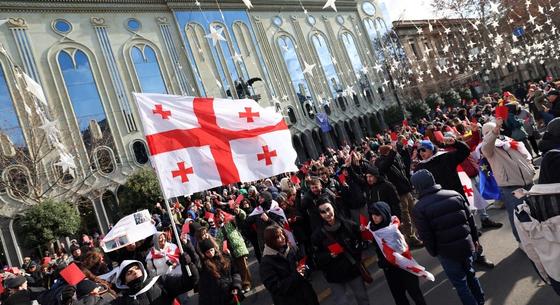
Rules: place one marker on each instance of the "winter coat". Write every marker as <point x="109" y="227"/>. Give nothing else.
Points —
<point x="549" y="167"/>
<point x="159" y="290"/>
<point x="260" y="225"/>
<point x="393" y="168"/>
<point x="23" y="297"/>
<point x="309" y="206"/>
<point x="540" y="241"/>
<point x="444" y="223"/>
<point x="549" y="142"/>
<point x="279" y="276"/>
<point x="213" y="291"/>
<point x="443" y="167"/>
<point x="235" y="241"/>
<point x="159" y="261"/>
<point x="339" y="269"/>
<point x="510" y="167"/>
<point x="94" y="300"/>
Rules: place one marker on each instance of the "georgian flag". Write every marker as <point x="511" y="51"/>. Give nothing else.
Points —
<point x="391" y="242"/>
<point x="467" y="186"/>
<point x="201" y="143"/>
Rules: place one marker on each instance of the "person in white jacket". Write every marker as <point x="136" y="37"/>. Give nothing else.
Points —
<point x="511" y="164"/>
<point x="163" y="257"/>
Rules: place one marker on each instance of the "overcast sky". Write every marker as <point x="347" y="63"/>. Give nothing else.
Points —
<point x="413" y="9"/>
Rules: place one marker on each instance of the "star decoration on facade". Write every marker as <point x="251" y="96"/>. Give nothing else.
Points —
<point x="378" y="68"/>
<point x="419" y="79"/>
<point x="334" y="61"/>
<point x="50" y="129"/>
<point x="540" y="9"/>
<point x="386" y="83"/>
<point x="495" y="23"/>
<point x="430" y="27"/>
<point x="215" y="35"/>
<point x="531" y="19"/>
<point x="445" y="49"/>
<point x="237" y="57"/>
<point x="248" y="4"/>
<point x="538" y="27"/>
<point x="365" y="70"/>
<point x="499" y="39"/>
<point x="67" y="163"/>
<point x="447" y="31"/>
<point x="419" y="31"/>
<point x="308" y="68"/>
<point x="197" y="3"/>
<point x="331" y="4"/>
<point x="495" y="7"/>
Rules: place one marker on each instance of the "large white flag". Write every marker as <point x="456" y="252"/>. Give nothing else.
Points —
<point x="201" y="143"/>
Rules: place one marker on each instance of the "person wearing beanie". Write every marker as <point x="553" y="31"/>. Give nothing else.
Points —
<point x="511" y="166"/>
<point x="551" y="137"/>
<point x="400" y="281"/>
<point x="19" y="293"/>
<point x="391" y="166"/>
<point x="139" y="288"/>
<point x="219" y="279"/>
<point x="282" y="274"/>
<point x="554" y="102"/>
<point x="446" y="226"/>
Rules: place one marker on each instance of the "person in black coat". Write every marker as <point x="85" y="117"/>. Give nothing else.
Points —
<point x="282" y="274"/>
<point x="19" y="293"/>
<point x="219" y="280"/>
<point x="137" y="288"/>
<point x="446" y="226"/>
<point x="310" y="200"/>
<point x="337" y="244"/>
<point x="400" y="281"/>
<point x="265" y="219"/>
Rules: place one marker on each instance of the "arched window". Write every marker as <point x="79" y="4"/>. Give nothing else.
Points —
<point x="18" y="181"/>
<point x="9" y="123"/>
<point x="353" y="54"/>
<point x="105" y="160"/>
<point x="147" y="69"/>
<point x="111" y="206"/>
<point x="140" y="152"/>
<point x="87" y="214"/>
<point x="292" y="115"/>
<point x="326" y="59"/>
<point x="84" y="96"/>
<point x="375" y="39"/>
<point x="293" y="65"/>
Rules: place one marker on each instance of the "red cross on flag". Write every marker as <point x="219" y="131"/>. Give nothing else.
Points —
<point x="201" y="143"/>
<point x="467" y="186"/>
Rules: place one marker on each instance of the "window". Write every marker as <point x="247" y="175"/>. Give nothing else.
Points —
<point x="140" y="152"/>
<point x="9" y="123"/>
<point x="414" y="50"/>
<point x="84" y="96"/>
<point x="18" y="181"/>
<point x="133" y="25"/>
<point x="353" y="54"/>
<point x="292" y="115"/>
<point x="295" y="71"/>
<point x="61" y="26"/>
<point x="375" y="39"/>
<point x="147" y="69"/>
<point x="326" y="59"/>
<point x="104" y="159"/>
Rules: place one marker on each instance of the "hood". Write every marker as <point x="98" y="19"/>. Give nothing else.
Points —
<point x="155" y="240"/>
<point x="268" y="251"/>
<point x="119" y="284"/>
<point x="422" y="180"/>
<point x="383" y="209"/>
<point x="437" y="154"/>
<point x="372" y="170"/>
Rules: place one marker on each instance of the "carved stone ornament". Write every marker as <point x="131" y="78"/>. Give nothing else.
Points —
<point x="162" y="20"/>
<point x="293" y="18"/>
<point x="97" y="21"/>
<point x="324" y="18"/>
<point x="17" y="23"/>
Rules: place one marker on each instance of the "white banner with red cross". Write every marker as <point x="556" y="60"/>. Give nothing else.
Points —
<point x="468" y="189"/>
<point x="201" y="143"/>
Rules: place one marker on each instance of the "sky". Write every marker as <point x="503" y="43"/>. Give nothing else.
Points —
<point x="409" y="9"/>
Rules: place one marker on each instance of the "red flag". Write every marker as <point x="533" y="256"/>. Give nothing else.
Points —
<point x="405" y="122"/>
<point x="302" y="262"/>
<point x="394" y="136"/>
<point x="239" y="199"/>
<point x="295" y="179"/>
<point x="342" y="178"/>
<point x="208" y="215"/>
<point x="367" y="235"/>
<point x="335" y="248"/>
<point x="72" y="274"/>
<point x="363" y="220"/>
<point x="502" y="112"/>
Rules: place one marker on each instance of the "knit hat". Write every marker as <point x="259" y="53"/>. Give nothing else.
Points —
<point x="14" y="282"/>
<point x="380" y="208"/>
<point x="266" y="195"/>
<point x="372" y="170"/>
<point x="205" y="245"/>
<point x="85" y="287"/>
<point x="427" y="144"/>
<point x="553" y="127"/>
<point x="422" y="180"/>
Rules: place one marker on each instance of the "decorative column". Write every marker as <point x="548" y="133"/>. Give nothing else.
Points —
<point x="116" y="80"/>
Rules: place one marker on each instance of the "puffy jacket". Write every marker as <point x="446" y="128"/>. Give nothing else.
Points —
<point x="510" y="167"/>
<point x="443" y="167"/>
<point x="339" y="269"/>
<point x="444" y="223"/>
<point x="236" y="243"/>
<point x="393" y="168"/>
<point x="279" y="276"/>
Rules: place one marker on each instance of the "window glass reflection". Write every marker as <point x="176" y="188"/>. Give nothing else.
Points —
<point x="352" y="51"/>
<point x="375" y="39"/>
<point x="9" y="123"/>
<point x="295" y="70"/>
<point x="84" y="96"/>
<point x="147" y="69"/>
<point x="325" y="57"/>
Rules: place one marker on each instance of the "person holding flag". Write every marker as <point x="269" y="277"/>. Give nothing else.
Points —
<point x="402" y="274"/>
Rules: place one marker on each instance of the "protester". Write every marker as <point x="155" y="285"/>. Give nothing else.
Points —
<point x="446" y="226"/>
<point x="283" y="273"/>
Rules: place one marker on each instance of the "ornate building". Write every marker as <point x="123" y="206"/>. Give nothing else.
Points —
<point x="90" y="55"/>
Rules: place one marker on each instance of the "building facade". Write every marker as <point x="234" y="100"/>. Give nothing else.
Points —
<point x="90" y="56"/>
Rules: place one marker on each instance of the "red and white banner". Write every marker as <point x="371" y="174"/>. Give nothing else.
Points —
<point x="201" y="143"/>
<point x="467" y="186"/>
<point x="391" y="242"/>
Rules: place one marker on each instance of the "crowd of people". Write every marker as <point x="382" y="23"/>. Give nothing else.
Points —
<point x="393" y="192"/>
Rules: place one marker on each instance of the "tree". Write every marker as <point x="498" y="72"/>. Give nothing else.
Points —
<point x="44" y="223"/>
<point x="461" y="8"/>
<point x="434" y="99"/>
<point x="465" y="93"/>
<point x="393" y="115"/>
<point x="141" y="191"/>
<point x="451" y="98"/>
<point x="417" y="109"/>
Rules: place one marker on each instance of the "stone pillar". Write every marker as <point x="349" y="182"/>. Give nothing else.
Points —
<point x="9" y="242"/>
